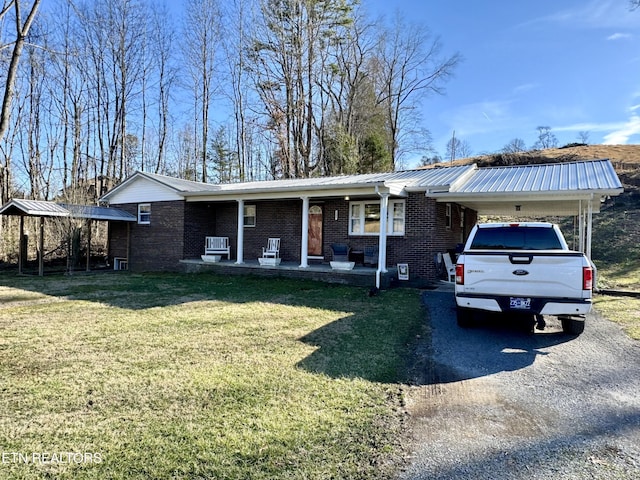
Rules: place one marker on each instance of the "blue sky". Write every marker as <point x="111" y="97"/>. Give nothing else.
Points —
<point x="567" y="64"/>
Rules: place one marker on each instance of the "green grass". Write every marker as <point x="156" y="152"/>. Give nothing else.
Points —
<point x="201" y="376"/>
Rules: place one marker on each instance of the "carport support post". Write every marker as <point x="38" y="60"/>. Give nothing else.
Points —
<point x="589" y="225"/>
<point x="88" y="244"/>
<point x="41" y="249"/>
<point x="21" y="249"/>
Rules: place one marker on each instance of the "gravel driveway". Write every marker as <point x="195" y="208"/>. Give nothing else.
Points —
<point x="494" y="402"/>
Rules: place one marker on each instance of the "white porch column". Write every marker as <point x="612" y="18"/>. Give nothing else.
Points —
<point x="240" y="255"/>
<point x="304" y="250"/>
<point x="581" y="227"/>
<point x="382" y="243"/>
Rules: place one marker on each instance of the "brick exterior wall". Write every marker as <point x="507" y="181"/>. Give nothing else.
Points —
<point x="154" y="247"/>
<point x="178" y="228"/>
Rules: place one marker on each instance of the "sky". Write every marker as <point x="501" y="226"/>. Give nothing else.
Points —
<point x="572" y="65"/>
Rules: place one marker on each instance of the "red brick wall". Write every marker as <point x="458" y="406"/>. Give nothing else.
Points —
<point x="199" y="222"/>
<point x="156" y="246"/>
<point x="177" y="231"/>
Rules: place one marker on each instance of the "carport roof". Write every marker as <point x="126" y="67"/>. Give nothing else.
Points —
<point x="540" y="189"/>
<point x="41" y="208"/>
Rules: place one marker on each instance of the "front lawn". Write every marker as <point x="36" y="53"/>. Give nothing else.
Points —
<point x="200" y="376"/>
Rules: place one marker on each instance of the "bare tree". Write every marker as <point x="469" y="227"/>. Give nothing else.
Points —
<point x="236" y="42"/>
<point x="514" y="146"/>
<point x="411" y="68"/>
<point x="546" y="138"/>
<point x="202" y="36"/>
<point x="457" y="148"/>
<point x="22" y="27"/>
<point x="583" y="136"/>
<point x="17" y="45"/>
<point x="286" y="65"/>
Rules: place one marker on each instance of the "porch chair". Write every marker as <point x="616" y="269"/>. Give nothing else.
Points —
<point x="340" y="252"/>
<point x="272" y="250"/>
<point x="449" y="267"/>
<point x="371" y="256"/>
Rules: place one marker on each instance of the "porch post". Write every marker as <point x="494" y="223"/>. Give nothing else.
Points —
<point x="589" y="225"/>
<point x="304" y="250"/>
<point x="21" y="246"/>
<point x="240" y="255"/>
<point x="581" y="227"/>
<point x="382" y="245"/>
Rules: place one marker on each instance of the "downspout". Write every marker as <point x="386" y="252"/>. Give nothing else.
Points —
<point x="382" y="242"/>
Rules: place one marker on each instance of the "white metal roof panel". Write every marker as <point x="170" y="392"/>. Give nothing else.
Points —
<point x="42" y="208"/>
<point x="557" y="177"/>
<point x="95" y="212"/>
<point x="36" y="208"/>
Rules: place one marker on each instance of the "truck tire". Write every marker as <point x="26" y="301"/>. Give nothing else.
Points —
<point x="464" y="316"/>
<point x="572" y="326"/>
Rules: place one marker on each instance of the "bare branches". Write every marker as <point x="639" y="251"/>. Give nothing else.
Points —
<point x="22" y="30"/>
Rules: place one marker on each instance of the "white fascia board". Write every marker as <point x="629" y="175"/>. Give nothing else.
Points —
<point x="285" y="194"/>
<point x="512" y="196"/>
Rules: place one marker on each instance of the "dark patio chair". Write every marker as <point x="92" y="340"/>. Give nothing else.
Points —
<point x="340" y="252"/>
<point x="371" y="256"/>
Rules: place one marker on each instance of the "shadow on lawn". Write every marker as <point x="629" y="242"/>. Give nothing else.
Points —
<point x="353" y="348"/>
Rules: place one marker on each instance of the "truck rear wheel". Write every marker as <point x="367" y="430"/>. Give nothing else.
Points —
<point x="464" y="317"/>
<point x="572" y="326"/>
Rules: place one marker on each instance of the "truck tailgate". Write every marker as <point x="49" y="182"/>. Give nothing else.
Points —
<point x="525" y="273"/>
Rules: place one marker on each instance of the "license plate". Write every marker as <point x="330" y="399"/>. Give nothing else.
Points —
<point x="519" y="303"/>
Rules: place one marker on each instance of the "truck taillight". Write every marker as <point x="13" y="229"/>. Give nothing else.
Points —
<point x="460" y="274"/>
<point x="587" y="278"/>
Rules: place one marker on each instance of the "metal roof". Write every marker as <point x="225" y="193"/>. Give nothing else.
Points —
<point x="424" y="178"/>
<point x="555" y="177"/>
<point x="444" y="183"/>
<point x="41" y="208"/>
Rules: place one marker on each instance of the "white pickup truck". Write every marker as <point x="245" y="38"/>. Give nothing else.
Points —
<point x="526" y="268"/>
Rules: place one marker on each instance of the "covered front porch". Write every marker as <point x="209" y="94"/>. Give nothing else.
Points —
<point x="362" y="276"/>
<point x="306" y="227"/>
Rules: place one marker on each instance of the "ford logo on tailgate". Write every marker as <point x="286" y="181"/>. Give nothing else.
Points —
<point x="520" y="272"/>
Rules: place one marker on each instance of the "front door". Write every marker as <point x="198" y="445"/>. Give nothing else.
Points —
<point x="315" y="231"/>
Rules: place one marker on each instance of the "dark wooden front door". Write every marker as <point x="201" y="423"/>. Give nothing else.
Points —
<point x="315" y="231"/>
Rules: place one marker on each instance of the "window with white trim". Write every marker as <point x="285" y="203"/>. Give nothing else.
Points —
<point x="249" y="215"/>
<point x="364" y="217"/>
<point x="144" y="213"/>
<point x="448" y="217"/>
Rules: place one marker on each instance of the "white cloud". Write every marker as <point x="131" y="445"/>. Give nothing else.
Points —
<point x="595" y="14"/>
<point x="621" y="135"/>
<point x="619" y="36"/>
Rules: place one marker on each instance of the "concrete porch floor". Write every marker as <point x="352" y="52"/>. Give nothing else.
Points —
<point x="360" y="276"/>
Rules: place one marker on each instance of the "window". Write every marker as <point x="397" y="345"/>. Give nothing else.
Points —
<point x="449" y="222"/>
<point x="364" y="218"/>
<point x="249" y="215"/>
<point x="144" y="213"/>
<point x="516" y="238"/>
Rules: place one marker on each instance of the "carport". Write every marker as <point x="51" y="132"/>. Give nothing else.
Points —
<point x="43" y="209"/>
<point x="540" y="190"/>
